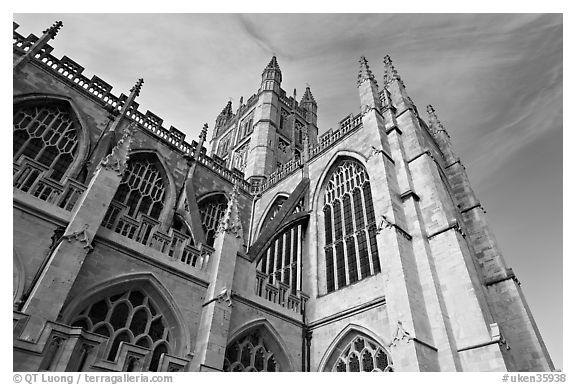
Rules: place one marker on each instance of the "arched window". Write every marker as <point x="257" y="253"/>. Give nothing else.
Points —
<point x="250" y="354"/>
<point x="46" y="133"/>
<point x="129" y="316"/>
<point x="142" y="188"/>
<point x="211" y="211"/>
<point x="362" y="354"/>
<point x="139" y="199"/>
<point x="351" y="253"/>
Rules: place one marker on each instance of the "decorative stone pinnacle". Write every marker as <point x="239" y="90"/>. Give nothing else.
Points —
<point x="230" y="222"/>
<point x="137" y="87"/>
<point x="390" y="72"/>
<point x="433" y="121"/>
<point x="308" y="97"/>
<point x="273" y="64"/>
<point x="117" y="160"/>
<point x="204" y="132"/>
<point x="364" y="73"/>
<point x="227" y="109"/>
<point x="53" y="30"/>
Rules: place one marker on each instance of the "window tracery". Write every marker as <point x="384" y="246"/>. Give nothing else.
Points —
<point x="132" y="317"/>
<point x="363" y="354"/>
<point x="211" y="211"/>
<point x="240" y="156"/>
<point x="351" y="252"/>
<point x="46" y="133"/>
<point x="250" y="354"/>
<point x="283" y="145"/>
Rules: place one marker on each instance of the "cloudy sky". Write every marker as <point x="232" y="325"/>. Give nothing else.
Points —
<point x="495" y="81"/>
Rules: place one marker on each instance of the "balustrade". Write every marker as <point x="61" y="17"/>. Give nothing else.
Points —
<point x="31" y="177"/>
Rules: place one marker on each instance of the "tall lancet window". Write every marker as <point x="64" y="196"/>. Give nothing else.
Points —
<point x="211" y="211"/>
<point x="350" y="226"/>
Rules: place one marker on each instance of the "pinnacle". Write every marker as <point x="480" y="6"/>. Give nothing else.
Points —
<point x="308" y="97"/>
<point x="390" y="72"/>
<point x="434" y="122"/>
<point x="227" y="109"/>
<point x="230" y="222"/>
<point x="53" y="30"/>
<point x="364" y="73"/>
<point x="137" y="87"/>
<point x="204" y="132"/>
<point x="273" y="63"/>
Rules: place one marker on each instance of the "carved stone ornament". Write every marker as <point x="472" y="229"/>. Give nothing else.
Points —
<point x="117" y="160"/>
<point x="82" y="236"/>
<point x="224" y="296"/>
<point x="400" y="335"/>
<point x="230" y="222"/>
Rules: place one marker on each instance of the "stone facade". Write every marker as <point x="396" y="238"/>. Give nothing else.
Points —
<point x="275" y="249"/>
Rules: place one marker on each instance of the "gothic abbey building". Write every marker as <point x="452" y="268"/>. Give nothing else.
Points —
<point x="269" y="247"/>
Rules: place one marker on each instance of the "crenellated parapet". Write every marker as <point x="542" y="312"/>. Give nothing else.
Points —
<point x="98" y="90"/>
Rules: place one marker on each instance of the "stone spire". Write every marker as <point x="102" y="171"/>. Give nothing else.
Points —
<point x="230" y="222"/>
<point x="434" y="123"/>
<point x="47" y="35"/>
<point x="390" y="72"/>
<point x="364" y="73"/>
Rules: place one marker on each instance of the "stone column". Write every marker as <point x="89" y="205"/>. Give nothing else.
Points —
<point x="53" y="287"/>
<point x="214" y="326"/>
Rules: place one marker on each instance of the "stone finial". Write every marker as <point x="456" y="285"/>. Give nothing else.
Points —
<point x="433" y="121"/>
<point x="230" y="222"/>
<point x="227" y="110"/>
<point x="117" y="160"/>
<point x="307" y="97"/>
<point x="204" y="132"/>
<point x="364" y="73"/>
<point x="53" y="30"/>
<point x="137" y="87"/>
<point x="390" y="72"/>
<point x="273" y="64"/>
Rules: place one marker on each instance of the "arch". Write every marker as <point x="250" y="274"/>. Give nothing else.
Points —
<point x="151" y="285"/>
<point x="18" y="277"/>
<point x="343" y="339"/>
<point x="83" y="131"/>
<point x="272" y="337"/>
<point x="269" y="207"/>
<point x="169" y="184"/>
